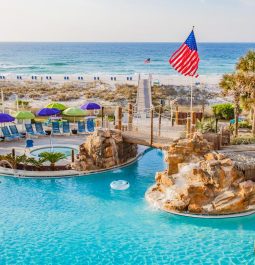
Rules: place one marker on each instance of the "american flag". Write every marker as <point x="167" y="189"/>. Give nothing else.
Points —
<point x="186" y="59"/>
<point x="147" y="60"/>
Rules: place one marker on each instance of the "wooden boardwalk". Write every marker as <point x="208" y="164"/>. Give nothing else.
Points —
<point x="144" y="137"/>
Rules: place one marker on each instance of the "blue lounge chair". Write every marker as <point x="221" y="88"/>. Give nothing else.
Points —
<point x="66" y="127"/>
<point x="90" y="125"/>
<point x="55" y="128"/>
<point x="29" y="143"/>
<point x="30" y="130"/>
<point x="15" y="132"/>
<point x="39" y="128"/>
<point x="7" y="135"/>
<point x="81" y="127"/>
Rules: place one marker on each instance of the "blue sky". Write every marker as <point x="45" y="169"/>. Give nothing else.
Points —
<point x="127" y="20"/>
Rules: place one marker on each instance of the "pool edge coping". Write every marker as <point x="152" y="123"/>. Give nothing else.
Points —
<point x="25" y="174"/>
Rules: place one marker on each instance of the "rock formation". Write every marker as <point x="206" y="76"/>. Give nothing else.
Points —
<point x="104" y="149"/>
<point x="201" y="181"/>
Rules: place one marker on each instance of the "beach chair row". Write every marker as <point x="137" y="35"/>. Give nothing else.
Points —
<point x="83" y="127"/>
<point x="58" y="129"/>
<point x="11" y="132"/>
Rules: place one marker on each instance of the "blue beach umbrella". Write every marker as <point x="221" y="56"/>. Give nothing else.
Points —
<point x="47" y="112"/>
<point x="90" y="106"/>
<point x="6" y="118"/>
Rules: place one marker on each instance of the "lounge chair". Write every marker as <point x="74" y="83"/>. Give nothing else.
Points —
<point x="90" y="125"/>
<point x="39" y="128"/>
<point x="7" y="135"/>
<point x="66" y="127"/>
<point x="81" y="127"/>
<point x="15" y="132"/>
<point x="30" y="130"/>
<point x="29" y="143"/>
<point x="55" y="128"/>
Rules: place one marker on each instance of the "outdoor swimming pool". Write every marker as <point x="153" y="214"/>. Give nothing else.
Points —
<point x="65" y="150"/>
<point x="82" y="221"/>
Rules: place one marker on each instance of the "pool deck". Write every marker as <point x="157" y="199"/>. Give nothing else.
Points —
<point x="72" y="141"/>
<point x="19" y="145"/>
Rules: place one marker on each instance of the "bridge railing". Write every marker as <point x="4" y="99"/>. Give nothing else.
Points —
<point x="150" y="125"/>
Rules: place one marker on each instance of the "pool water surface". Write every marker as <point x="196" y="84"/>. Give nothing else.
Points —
<point x="82" y="221"/>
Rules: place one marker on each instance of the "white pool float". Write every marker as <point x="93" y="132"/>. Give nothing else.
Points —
<point x="119" y="185"/>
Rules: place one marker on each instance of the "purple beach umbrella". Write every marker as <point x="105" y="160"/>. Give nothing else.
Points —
<point x="47" y="112"/>
<point x="6" y="118"/>
<point x="90" y="106"/>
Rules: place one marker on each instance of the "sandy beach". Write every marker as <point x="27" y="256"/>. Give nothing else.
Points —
<point x="112" y="79"/>
<point x="114" y="90"/>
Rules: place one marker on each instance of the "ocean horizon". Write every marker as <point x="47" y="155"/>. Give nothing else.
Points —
<point x="112" y="57"/>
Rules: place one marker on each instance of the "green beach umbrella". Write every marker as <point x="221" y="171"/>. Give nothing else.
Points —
<point x="24" y="115"/>
<point x="56" y="105"/>
<point x="74" y="112"/>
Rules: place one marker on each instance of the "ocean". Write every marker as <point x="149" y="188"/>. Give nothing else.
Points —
<point x="113" y="58"/>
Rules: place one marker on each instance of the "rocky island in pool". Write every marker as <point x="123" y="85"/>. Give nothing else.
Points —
<point x="104" y="149"/>
<point x="200" y="181"/>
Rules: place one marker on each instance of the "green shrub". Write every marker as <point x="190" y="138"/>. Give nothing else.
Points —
<point x="223" y="111"/>
<point x="243" y="140"/>
<point x="206" y="125"/>
<point x="244" y="124"/>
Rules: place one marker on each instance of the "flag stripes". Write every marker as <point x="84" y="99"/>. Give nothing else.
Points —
<point x="185" y="60"/>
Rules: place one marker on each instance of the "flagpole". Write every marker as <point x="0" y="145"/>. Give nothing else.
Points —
<point x="191" y="104"/>
<point x="191" y="98"/>
<point x="187" y="66"/>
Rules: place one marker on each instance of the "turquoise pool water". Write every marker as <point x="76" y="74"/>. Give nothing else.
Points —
<point x="82" y="221"/>
<point x="65" y="150"/>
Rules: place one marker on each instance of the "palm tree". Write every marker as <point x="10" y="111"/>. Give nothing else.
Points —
<point x="14" y="161"/>
<point x="233" y="84"/>
<point x="34" y="162"/>
<point x="52" y="157"/>
<point x="246" y="65"/>
<point x="247" y="103"/>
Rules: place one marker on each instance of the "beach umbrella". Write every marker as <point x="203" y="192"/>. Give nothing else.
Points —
<point x="24" y="115"/>
<point x="6" y="118"/>
<point x="48" y="112"/>
<point x="56" y="105"/>
<point x="74" y="112"/>
<point x="90" y="106"/>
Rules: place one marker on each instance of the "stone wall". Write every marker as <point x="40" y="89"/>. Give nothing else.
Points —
<point x="104" y="149"/>
<point x="201" y="181"/>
